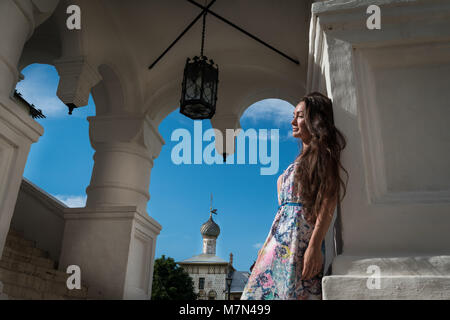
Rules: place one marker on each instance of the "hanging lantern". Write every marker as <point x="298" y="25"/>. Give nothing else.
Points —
<point x="199" y="88"/>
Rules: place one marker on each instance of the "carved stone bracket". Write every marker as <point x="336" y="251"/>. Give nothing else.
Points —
<point x="222" y="123"/>
<point x="77" y="77"/>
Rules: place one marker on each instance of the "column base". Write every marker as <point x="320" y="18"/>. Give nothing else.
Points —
<point x="114" y="248"/>
<point x="401" y="278"/>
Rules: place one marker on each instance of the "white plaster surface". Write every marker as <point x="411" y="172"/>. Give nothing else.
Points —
<point x="114" y="247"/>
<point x="389" y="101"/>
<point x="40" y="217"/>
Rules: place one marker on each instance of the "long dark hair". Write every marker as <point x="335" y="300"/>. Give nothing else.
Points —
<point x="317" y="175"/>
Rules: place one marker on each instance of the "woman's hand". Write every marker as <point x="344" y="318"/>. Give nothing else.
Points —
<point x="312" y="262"/>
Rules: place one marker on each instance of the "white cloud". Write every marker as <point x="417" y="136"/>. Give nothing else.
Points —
<point x="72" y="201"/>
<point x="39" y="88"/>
<point x="276" y="110"/>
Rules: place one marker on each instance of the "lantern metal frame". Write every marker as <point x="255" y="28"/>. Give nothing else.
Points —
<point x="203" y="94"/>
<point x="199" y="86"/>
<point x="196" y="107"/>
<point x="206" y="8"/>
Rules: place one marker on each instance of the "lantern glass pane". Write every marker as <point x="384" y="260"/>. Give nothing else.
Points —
<point x="207" y="92"/>
<point x="191" y="90"/>
<point x="199" y="80"/>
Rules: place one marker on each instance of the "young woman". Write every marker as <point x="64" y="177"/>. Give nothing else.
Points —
<point x="291" y="261"/>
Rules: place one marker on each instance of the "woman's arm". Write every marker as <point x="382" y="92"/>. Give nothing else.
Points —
<point x="278" y="188"/>
<point x="323" y="221"/>
<point x="313" y="258"/>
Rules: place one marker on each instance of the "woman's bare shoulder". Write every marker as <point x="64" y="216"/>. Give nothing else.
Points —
<point x="278" y="184"/>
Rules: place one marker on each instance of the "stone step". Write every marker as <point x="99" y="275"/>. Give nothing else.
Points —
<point x="42" y="273"/>
<point x="16" y="292"/>
<point x="12" y="244"/>
<point x="16" y="233"/>
<point x="20" y="240"/>
<point x="27" y="273"/>
<point x="29" y="294"/>
<point x="18" y="256"/>
<point x="31" y="269"/>
<point x="25" y="286"/>
<point x="22" y="293"/>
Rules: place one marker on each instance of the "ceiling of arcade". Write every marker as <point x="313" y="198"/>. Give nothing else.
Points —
<point x="121" y="39"/>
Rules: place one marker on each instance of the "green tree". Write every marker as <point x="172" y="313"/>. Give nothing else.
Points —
<point x="171" y="282"/>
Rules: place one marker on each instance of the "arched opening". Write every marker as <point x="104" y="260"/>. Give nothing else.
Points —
<point x="246" y="201"/>
<point x="57" y="169"/>
<point x="61" y="161"/>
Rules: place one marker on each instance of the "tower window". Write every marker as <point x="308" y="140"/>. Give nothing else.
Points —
<point x="201" y="283"/>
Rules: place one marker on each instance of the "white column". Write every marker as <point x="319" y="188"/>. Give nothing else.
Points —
<point x="123" y="160"/>
<point x="17" y="129"/>
<point x="113" y="239"/>
<point x="383" y="84"/>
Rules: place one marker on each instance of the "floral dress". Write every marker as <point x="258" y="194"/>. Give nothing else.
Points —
<point x="278" y="268"/>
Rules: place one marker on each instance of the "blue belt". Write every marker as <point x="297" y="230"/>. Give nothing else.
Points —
<point x="288" y="203"/>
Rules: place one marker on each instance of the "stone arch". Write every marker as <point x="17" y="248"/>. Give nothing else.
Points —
<point x="108" y="94"/>
<point x="232" y="100"/>
<point x="45" y="45"/>
<point x="164" y="102"/>
<point x="166" y="99"/>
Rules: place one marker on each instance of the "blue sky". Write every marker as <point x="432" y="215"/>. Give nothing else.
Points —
<point x="61" y="163"/>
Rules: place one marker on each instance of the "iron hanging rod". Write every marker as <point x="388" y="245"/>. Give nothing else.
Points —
<point x="182" y="34"/>
<point x="227" y="22"/>
<point x="245" y="32"/>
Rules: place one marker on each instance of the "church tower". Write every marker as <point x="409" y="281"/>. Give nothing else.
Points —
<point x="210" y="231"/>
<point x="209" y="272"/>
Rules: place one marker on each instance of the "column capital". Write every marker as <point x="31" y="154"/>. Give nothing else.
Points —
<point x="125" y="146"/>
<point x="134" y="130"/>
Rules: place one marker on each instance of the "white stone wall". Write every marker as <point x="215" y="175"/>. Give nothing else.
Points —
<point x="390" y="100"/>
<point x="40" y="218"/>
<point x="213" y="281"/>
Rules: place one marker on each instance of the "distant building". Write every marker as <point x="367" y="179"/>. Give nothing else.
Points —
<point x="209" y="272"/>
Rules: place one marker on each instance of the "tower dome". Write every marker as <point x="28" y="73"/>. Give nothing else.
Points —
<point x="210" y="228"/>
